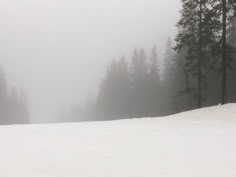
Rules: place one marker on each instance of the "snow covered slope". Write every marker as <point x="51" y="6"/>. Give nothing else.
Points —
<point x="200" y="143"/>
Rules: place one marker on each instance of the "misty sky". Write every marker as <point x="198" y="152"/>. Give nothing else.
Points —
<point x="58" y="50"/>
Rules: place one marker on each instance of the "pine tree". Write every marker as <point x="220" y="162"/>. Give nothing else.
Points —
<point x="170" y="79"/>
<point x="224" y="10"/>
<point x="168" y="62"/>
<point x="154" y="70"/>
<point x="231" y="56"/>
<point x="139" y="76"/>
<point x="198" y="33"/>
<point x="154" y="85"/>
<point x="4" y="106"/>
<point x="114" y="95"/>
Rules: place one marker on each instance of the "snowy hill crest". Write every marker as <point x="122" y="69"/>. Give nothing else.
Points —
<point x="195" y="143"/>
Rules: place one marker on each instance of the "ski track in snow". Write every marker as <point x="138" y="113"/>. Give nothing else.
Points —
<point x="200" y="143"/>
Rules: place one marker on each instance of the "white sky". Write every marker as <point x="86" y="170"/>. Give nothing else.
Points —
<point x="58" y="50"/>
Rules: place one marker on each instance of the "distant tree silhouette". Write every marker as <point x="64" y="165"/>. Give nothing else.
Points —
<point x="13" y="106"/>
<point x="113" y="98"/>
<point x="155" y="92"/>
<point x="131" y="91"/>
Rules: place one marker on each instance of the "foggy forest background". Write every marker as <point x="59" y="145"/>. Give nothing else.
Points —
<point x="198" y="70"/>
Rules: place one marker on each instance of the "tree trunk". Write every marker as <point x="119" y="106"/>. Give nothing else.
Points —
<point x="224" y="63"/>
<point x="200" y="58"/>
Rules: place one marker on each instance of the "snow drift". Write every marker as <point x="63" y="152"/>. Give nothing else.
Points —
<point x="199" y="143"/>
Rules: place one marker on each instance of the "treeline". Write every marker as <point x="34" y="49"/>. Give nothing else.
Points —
<point x="140" y="86"/>
<point x="198" y="70"/>
<point x="131" y="91"/>
<point x="13" y="109"/>
<point x="207" y="31"/>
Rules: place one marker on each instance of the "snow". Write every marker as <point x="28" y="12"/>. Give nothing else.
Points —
<point x="200" y="143"/>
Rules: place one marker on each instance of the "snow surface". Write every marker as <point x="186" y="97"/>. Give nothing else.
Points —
<point x="199" y="143"/>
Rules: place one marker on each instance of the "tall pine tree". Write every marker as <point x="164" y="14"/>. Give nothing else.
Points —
<point x="197" y="33"/>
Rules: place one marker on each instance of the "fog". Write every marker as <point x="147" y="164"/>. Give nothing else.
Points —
<point x="58" y="50"/>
